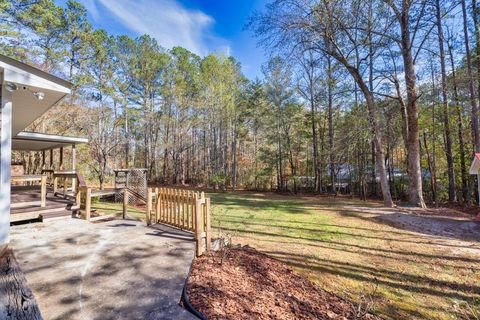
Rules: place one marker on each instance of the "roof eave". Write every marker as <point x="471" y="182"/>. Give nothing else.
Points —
<point x="16" y="68"/>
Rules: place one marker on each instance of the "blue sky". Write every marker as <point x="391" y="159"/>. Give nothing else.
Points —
<point x="200" y="26"/>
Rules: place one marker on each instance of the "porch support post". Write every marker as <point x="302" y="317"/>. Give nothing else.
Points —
<point x="5" y="166"/>
<point x="43" y="159"/>
<point x="74" y="157"/>
<point x="51" y="159"/>
<point x="61" y="159"/>
<point x="74" y="164"/>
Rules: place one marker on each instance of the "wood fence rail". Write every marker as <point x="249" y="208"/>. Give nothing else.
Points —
<point x="184" y="209"/>
<point x="82" y="192"/>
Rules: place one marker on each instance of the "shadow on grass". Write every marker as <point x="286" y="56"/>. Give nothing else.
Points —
<point x="390" y="280"/>
<point x="327" y="234"/>
<point x="256" y="206"/>
<point x="394" y="279"/>
<point x="291" y="206"/>
<point x="231" y="218"/>
<point x="438" y="226"/>
<point x="395" y="255"/>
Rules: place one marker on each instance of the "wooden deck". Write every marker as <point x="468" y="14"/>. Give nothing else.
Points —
<point x="26" y="205"/>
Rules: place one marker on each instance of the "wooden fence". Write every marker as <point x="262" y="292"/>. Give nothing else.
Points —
<point x="184" y="209"/>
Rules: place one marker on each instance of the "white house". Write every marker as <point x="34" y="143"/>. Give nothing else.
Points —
<point x="26" y="94"/>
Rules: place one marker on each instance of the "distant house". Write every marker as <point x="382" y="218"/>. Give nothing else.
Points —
<point x="475" y="170"/>
<point x="26" y="94"/>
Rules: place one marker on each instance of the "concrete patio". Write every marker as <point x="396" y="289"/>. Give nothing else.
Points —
<point x="118" y="269"/>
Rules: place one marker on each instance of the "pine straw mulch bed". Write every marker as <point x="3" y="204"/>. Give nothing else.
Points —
<point x="251" y="285"/>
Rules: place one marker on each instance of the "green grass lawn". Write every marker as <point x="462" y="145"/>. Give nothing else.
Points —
<point x="348" y="251"/>
<point x="116" y="210"/>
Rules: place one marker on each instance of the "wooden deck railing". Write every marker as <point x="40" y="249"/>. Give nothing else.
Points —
<point x="184" y="209"/>
<point x="33" y="178"/>
<point x="49" y="173"/>
<point x="82" y="192"/>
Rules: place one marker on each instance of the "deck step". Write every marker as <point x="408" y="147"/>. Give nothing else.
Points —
<point x="57" y="214"/>
<point x="45" y="213"/>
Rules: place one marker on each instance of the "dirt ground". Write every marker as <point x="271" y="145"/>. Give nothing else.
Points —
<point x="440" y="223"/>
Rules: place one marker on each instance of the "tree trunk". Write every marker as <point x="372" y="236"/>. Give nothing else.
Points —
<point x="476" y="137"/>
<point x="330" y="124"/>
<point x="313" y="116"/>
<point x="446" y="122"/>
<point x="279" y="151"/>
<point x="234" y="158"/>
<point x="415" y="190"/>
<point x="461" y="140"/>
<point x="433" y="180"/>
<point x="372" y="115"/>
<point x="446" y="113"/>
<point x="17" y="301"/>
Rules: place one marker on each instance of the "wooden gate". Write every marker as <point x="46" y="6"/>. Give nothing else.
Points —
<point x="184" y="209"/>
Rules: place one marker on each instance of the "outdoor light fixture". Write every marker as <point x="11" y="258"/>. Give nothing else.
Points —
<point x="40" y="95"/>
<point x="10" y="86"/>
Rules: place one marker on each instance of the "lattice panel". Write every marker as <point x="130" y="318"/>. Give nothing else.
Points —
<point x="137" y="181"/>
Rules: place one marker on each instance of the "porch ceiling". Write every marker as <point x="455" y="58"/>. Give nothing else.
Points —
<point x="26" y="108"/>
<point x="33" y="91"/>
<point x="33" y="141"/>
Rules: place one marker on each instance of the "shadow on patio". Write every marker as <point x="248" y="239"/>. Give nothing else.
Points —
<point x="112" y="270"/>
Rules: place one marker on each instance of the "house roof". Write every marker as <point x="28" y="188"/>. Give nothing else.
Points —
<point x="21" y="67"/>
<point x="34" y="141"/>
<point x="475" y="166"/>
<point x="33" y="91"/>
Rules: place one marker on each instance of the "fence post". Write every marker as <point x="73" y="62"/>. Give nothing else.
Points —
<point x="160" y="205"/>
<point x="168" y="206"/>
<point x="208" y="225"/>
<point x="64" y="187"/>
<point x="157" y="205"/>
<point x="74" y="185"/>
<point x="198" y="225"/>
<point x="194" y="205"/>
<point x="88" y="203"/>
<point x="177" y="208"/>
<point x="174" y="207"/>
<point x="55" y="185"/>
<point x="78" y="194"/>
<point x="149" y="206"/>
<point x="125" y="202"/>
<point x="182" y="206"/>
<point x="43" y="195"/>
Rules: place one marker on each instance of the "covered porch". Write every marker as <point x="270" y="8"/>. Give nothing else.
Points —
<point x="26" y="94"/>
<point x="38" y="196"/>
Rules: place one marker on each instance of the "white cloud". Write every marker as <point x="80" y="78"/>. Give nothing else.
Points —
<point x="166" y="20"/>
<point x="92" y="8"/>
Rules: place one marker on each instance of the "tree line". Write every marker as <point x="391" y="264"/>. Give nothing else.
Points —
<point x="371" y="98"/>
